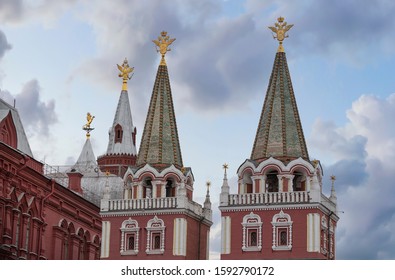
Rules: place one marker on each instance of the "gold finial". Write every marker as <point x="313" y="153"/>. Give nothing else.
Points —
<point x="125" y="71"/>
<point x="163" y="44"/>
<point x="208" y="184"/>
<point x="107" y="173"/>
<point x="280" y="29"/>
<point x="183" y="169"/>
<point x="87" y="127"/>
<point x="225" y="167"/>
<point x="333" y="178"/>
<point x="315" y="162"/>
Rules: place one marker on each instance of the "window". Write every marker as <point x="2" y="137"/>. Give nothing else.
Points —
<point x="252" y="232"/>
<point x="282" y="231"/>
<point x="170" y="189"/>
<point x="118" y="133"/>
<point x="155" y="236"/>
<point x="131" y="245"/>
<point x="129" y="237"/>
<point x="253" y="238"/>
<point x="272" y="181"/>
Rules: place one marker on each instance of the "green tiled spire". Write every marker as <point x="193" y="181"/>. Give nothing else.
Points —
<point x="279" y="132"/>
<point x="160" y="145"/>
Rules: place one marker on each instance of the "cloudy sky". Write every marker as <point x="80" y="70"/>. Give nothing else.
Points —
<point x="58" y="61"/>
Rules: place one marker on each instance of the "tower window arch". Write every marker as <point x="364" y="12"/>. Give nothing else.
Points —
<point x="299" y="180"/>
<point x="155" y="236"/>
<point x="129" y="237"/>
<point x="252" y="232"/>
<point x="247" y="182"/>
<point x="282" y="232"/>
<point x="170" y="187"/>
<point x="272" y="181"/>
<point x="118" y="133"/>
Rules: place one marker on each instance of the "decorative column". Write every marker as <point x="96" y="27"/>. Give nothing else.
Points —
<point x="289" y="182"/>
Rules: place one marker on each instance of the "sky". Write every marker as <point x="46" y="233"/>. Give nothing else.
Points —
<point x="58" y="62"/>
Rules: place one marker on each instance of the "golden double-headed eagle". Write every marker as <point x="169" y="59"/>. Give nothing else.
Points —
<point x="163" y="44"/>
<point x="280" y="29"/>
<point x="125" y="70"/>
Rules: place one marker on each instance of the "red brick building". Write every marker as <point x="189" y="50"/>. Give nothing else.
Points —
<point x="39" y="218"/>
<point x="279" y="211"/>
<point x="157" y="217"/>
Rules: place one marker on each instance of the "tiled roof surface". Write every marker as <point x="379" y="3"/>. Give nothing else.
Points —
<point x="279" y="132"/>
<point x="160" y="144"/>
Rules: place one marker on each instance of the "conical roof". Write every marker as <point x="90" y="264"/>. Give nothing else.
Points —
<point x="86" y="162"/>
<point x="120" y="134"/>
<point x="279" y="132"/>
<point x="160" y="143"/>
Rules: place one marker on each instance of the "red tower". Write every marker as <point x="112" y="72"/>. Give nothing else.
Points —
<point x="279" y="211"/>
<point x="157" y="217"/>
<point x="121" y="150"/>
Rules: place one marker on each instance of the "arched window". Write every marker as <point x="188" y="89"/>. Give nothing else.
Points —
<point x="155" y="236"/>
<point x="252" y="232"/>
<point x="118" y="134"/>
<point x="170" y="188"/>
<point x="282" y="231"/>
<point x="299" y="181"/>
<point x="272" y="181"/>
<point x="247" y="182"/>
<point x="147" y="188"/>
<point x="129" y="237"/>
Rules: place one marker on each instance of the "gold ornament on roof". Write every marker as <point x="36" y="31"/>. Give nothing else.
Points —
<point x="87" y="127"/>
<point x="163" y="44"/>
<point x="125" y="71"/>
<point x="280" y="29"/>
<point x="208" y="184"/>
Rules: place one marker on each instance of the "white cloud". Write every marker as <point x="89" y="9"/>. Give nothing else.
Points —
<point x="365" y="168"/>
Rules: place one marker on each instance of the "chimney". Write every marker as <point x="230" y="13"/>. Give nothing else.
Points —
<point x="75" y="181"/>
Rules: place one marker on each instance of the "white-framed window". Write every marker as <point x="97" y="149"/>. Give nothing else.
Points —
<point x="129" y="237"/>
<point x="155" y="236"/>
<point x="282" y="232"/>
<point x="252" y="232"/>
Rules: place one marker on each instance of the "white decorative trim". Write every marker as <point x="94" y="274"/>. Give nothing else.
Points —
<point x="128" y="228"/>
<point x="105" y="241"/>
<point x="280" y="222"/>
<point x="225" y="235"/>
<point x="313" y="232"/>
<point x="257" y="170"/>
<point x="180" y="237"/>
<point x="251" y="222"/>
<point x="155" y="226"/>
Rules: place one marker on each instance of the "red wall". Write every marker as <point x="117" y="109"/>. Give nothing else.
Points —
<point x="168" y="219"/>
<point x="299" y="236"/>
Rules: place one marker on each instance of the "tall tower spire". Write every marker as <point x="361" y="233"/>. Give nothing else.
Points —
<point x="158" y="190"/>
<point x="279" y="210"/>
<point x="121" y="149"/>
<point x="160" y="143"/>
<point x="279" y="132"/>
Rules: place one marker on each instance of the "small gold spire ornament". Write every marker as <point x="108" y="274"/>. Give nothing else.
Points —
<point x="87" y="127"/>
<point x="208" y="184"/>
<point x="125" y="71"/>
<point x="280" y="29"/>
<point x="163" y="44"/>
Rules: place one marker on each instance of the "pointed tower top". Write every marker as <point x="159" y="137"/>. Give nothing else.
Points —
<point x="86" y="162"/>
<point x="160" y="145"/>
<point x="163" y="44"/>
<point x="279" y="132"/>
<point x="280" y="28"/>
<point x="125" y="71"/>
